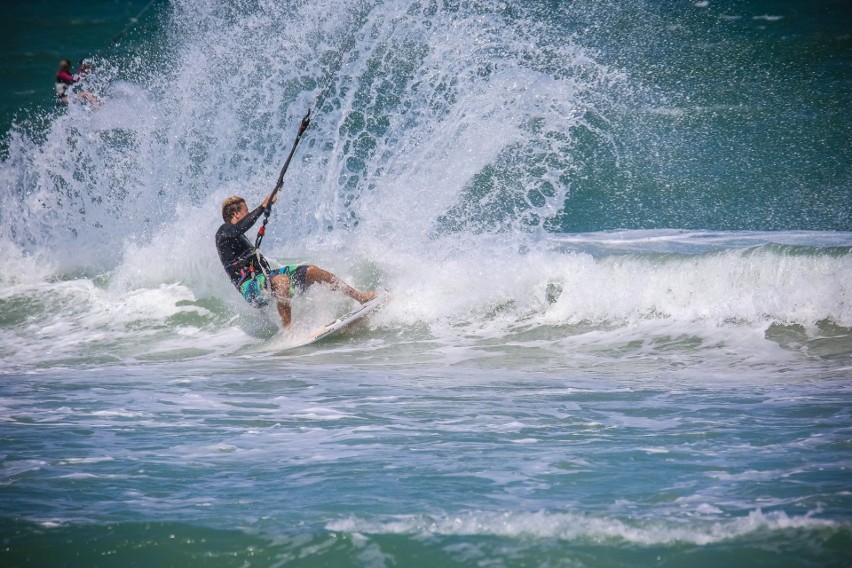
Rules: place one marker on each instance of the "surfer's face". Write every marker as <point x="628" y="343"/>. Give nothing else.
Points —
<point x="240" y="214"/>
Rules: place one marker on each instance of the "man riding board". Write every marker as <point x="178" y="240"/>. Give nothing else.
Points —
<point x="250" y="272"/>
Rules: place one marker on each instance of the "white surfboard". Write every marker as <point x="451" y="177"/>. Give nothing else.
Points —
<point x="342" y="321"/>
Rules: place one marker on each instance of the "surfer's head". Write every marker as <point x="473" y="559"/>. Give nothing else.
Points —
<point x="231" y="206"/>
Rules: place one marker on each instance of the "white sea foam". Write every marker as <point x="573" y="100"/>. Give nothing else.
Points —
<point x="580" y="527"/>
<point x="9" y="470"/>
<point x="85" y="476"/>
<point x="89" y="460"/>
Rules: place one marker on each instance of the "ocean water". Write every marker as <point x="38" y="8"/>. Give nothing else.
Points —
<point x="617" y="237"/>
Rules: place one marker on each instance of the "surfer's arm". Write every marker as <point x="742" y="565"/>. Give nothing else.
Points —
<point x="246" y="222"/>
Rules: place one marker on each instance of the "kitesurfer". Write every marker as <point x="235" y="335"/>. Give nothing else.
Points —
<point x="250" y="272"/>
<point x="64" y="79"/>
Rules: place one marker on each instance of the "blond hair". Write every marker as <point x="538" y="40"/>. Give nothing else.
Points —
<point x="230" y="207"/>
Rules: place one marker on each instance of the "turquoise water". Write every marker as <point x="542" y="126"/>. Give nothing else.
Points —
<point x="617" y="237"/>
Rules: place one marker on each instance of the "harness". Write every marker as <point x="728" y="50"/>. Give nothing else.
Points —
<point x="250" y="264"/>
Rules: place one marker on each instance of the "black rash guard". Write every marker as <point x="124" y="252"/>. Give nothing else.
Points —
<point x="235" y="250"/>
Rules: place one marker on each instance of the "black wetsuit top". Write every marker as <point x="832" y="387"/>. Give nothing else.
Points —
<point x="235" y="250"/>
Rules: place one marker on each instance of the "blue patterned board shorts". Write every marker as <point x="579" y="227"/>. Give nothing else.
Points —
<point x="256" y="290"/>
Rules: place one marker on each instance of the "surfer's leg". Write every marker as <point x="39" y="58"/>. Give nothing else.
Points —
<point x="281" y="293"/>
<point x="315" y="274"/>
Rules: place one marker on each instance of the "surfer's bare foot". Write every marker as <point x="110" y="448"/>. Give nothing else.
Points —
<point x="364" y="297"/>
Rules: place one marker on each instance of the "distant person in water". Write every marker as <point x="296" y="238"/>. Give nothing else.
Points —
<point x="250" y="272"/>
<point x="64" y="80"/>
